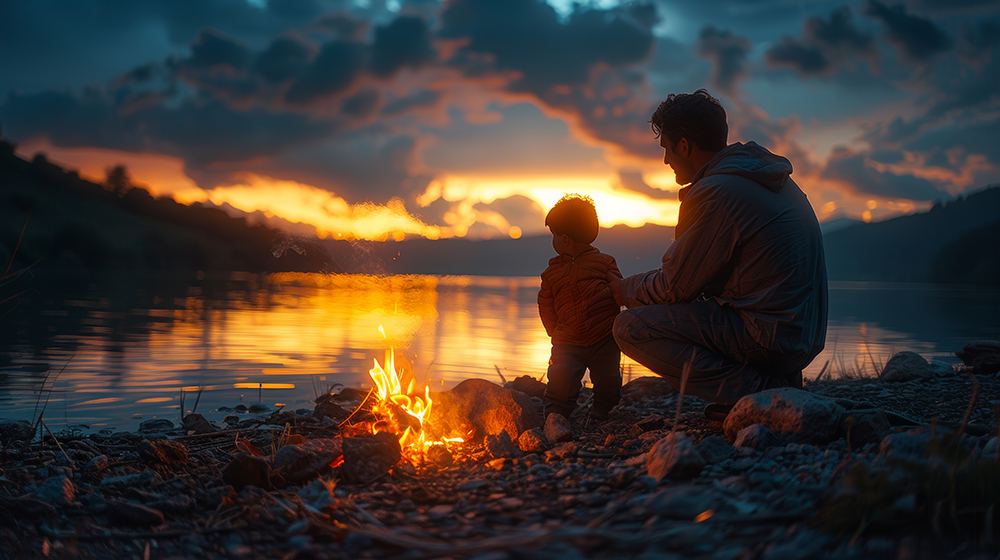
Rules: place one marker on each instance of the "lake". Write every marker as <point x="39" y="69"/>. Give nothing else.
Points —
<point x="109" y="353"/>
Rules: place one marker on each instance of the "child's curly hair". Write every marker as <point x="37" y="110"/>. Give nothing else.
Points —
<point x="574" y="215"/>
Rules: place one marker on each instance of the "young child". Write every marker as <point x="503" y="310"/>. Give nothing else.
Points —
<point x="578" y="309"/>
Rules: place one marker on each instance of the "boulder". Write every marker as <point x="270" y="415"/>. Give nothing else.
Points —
<point x="248" y="470"/>
<point x="529" y="386"/>
<point x="911" y="443"/>
<point x="862" y="426"/>
<point x="755" y="436"/>
<point x="532" y="441"/>
<point x="500" y="446"/>
<point x="558" y="428"/>
<point x="163" y="452"/>
<point x="714" y="449"/>
<point x="15" y="430"/>
<point x="794" y="415"/>
<point x="156" y="425"/>
<point x="369" y="457"/>
<point x="982" y="356"/>
<point x="649" y="386"/>
<point x="326" y="408"/>
<point x="297" y="463"/>
<point x="675" y="457"/>
<point x="96" y="466"/>
<point x="906" y="366"/>
<point x="942" y="369"/>
<point x="483" y="408"/>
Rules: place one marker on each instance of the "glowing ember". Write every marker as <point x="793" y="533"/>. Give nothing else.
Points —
<point x="401" y="411"/>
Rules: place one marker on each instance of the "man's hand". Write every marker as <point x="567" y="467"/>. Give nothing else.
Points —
<point x="616" y="285"/>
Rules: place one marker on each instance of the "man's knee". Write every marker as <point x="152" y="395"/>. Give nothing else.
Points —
<point x="623" y="328"/>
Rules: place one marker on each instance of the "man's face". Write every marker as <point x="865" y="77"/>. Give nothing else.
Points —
<point x="676" y="157"/>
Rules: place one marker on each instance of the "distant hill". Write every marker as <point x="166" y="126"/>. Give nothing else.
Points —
<point x="957" y="243"/>
<point x="635" y="249"/>
<point x="71" y="225"/>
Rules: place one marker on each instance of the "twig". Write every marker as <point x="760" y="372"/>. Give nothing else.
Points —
<point x="370" y="391"/>
<point x="502" y="378"/>
<point x="685" y="373"/>
<point x="198" y="398"/>
<point x="68" y="460"/>
<point x="972" y="404"/>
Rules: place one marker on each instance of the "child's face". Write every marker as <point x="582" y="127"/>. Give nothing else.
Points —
<point x="561" y="243"/>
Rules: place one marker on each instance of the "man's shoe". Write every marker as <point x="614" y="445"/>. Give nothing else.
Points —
<point x="717" y="412"/>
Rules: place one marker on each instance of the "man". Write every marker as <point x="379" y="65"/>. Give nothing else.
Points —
<point x="742" y="292"/>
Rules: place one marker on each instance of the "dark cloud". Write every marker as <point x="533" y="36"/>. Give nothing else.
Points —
<point x="406" y="42"/>
<point x="978" y="42"/>
<point x="633" y="181"/>
<point x="361" y="105"/>
<point x="335" y="68"/>
<point x="199" y="132"/>
<point x="728" y="53"/>
<point x="422" y="99"/>
<point x="284" y="58"/>
<point x="824" y="44"/>
<point x="214" y="51"/>
<point x="918" y="39"/>
<point x="850" y="168"/>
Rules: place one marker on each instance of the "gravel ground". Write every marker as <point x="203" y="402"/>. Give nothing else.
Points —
<point x="591" y="497"/>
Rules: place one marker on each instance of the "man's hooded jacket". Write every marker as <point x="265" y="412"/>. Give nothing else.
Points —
<point x="746" y="237"/>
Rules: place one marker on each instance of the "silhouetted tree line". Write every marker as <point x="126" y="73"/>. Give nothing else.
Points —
<point x="75" y="223"/>
<point x="914" y="248"/>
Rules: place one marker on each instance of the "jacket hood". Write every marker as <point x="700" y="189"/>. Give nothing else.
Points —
<point x="751" y="161"/>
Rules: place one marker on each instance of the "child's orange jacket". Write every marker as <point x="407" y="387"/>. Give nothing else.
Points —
<point x="575" y="301"/>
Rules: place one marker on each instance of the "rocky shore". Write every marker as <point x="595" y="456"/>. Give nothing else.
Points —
<point x="901" y="466"/>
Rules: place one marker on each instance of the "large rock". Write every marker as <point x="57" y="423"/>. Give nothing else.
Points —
<point x="675" y="457"/>
<point x="714" y="449"/>
<point x="649" y="386"/>
<point x="484" y="408"/>
<point x="15" y="430"/>
<point x="794" y="415"/>
<point x="197" y="424"/>
<point x="296" y="463"/>
<point x="166" y="453"/>
<point x="906" y="366"/>
<point x="983" y="356"/>
<point x="156" y="425"/>
<point x="369" y="457"/>
<point x="59" y="492"/>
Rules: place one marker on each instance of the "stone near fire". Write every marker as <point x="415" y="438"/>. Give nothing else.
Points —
<point x="755" y="436"/>
<point x="15" y="430"/>
<point x="649" y="423"/>
<point x="906" y="366"/>
<point x="557" y="428"/>
<point x="440" y="456"/>
<point x="197" y="424"/>
<point x="643" y="387"/>
<point x="121" y="512"/>
<point x="561" y="452"/>
<point x="532" y="441"/>
<point x="166" y="453"/>
<point x="483" y="407"/>
<point x="794" y="415"/>
<point x="983" y="356"/>
<point x="247" y="470"/>
<point x="297" y="463"/>
<point x="529" y="386"/>
<point x="329" y="409"/>
<point x="369" y="457"/>
<point x="675" y="457"/>
<point x="500" y="446"/>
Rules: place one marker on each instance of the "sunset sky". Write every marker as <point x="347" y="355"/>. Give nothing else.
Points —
<point x="393" y="118"/>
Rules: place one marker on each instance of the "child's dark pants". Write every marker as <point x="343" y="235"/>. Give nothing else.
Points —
<point x="566" y="369"/>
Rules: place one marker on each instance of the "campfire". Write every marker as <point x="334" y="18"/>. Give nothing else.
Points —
<point x="403" y="413"/>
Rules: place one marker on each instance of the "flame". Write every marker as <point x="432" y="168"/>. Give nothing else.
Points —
<point x="397" y="409"/>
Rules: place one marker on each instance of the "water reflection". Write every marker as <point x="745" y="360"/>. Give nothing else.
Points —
<point x="116" y="348"/>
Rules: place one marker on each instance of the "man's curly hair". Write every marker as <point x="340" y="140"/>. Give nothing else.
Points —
<point x="697" y="116"/>
<point x="574" y="215"/>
